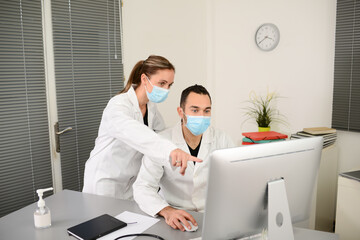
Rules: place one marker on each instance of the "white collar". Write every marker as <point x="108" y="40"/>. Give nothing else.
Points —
<point x="134" y="100"/>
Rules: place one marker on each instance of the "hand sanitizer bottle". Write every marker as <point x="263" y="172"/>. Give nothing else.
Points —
<point x="42" y="217"/>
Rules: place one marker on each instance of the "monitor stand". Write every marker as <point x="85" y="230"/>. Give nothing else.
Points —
<point x="279" y="219"/>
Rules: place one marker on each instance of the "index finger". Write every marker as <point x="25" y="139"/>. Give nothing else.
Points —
<point x="184" y="222"/>
<point x="195" y="159"/>
<point x="188" y="216"/>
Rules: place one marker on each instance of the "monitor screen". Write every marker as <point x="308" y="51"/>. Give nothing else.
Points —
<point x="236" y="202"/>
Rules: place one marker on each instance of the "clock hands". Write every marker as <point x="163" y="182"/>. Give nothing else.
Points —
<point x="263" y="39"/>
<point x="266" y="37"/>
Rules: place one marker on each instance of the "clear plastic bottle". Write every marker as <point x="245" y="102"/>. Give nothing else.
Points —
<point x="42" y="216"/>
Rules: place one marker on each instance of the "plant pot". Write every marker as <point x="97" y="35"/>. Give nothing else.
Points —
<point x="264" y="129"/>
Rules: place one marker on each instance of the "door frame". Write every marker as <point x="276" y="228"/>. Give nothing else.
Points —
<point x="49" y="69"/>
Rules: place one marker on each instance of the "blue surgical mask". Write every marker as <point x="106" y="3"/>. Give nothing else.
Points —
<point x="197" y="124"/>
<point x="158" y="94"/>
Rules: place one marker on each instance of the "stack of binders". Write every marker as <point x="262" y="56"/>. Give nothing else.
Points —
<point x="262" y="137"/>
<point x="329" y="134"/>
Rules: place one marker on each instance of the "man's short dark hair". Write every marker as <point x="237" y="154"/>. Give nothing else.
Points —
<point x="199" y="89"/>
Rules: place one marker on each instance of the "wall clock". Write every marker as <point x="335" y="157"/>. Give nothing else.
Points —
<point x="267" y="36"/>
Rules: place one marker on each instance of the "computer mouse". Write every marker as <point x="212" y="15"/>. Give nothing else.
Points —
<point x="193" y="228"/>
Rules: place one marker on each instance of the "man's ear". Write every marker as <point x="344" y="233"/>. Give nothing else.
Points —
<point x="180" y="112"/>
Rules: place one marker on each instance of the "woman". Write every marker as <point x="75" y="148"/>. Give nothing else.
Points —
<point x="127" y="132"/>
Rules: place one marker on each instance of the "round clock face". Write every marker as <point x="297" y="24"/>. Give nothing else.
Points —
<point x="267" y="37"/>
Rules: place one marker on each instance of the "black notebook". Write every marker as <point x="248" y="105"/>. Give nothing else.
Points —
<point x="96" y="227"/>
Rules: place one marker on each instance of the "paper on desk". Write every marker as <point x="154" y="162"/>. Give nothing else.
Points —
<point x="142" y="223"/>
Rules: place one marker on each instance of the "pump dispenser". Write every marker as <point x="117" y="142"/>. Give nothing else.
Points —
<point x="42" y="217"/>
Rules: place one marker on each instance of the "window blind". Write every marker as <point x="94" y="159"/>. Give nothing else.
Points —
<point x="346" y="97"/>
<point x="88" y="72"/>
<point x="25" y="163"/>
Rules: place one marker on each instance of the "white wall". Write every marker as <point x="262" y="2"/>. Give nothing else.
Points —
<point x="173" y="29"/>
<point x="300" y="69"/>
<point x="211" y="42"/>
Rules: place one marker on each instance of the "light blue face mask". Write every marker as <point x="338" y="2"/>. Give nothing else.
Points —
<point x="158" y="94"/>
<point x="197" y="124"/>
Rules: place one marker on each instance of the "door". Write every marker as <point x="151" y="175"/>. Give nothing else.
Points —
<point x="88" y="72"/>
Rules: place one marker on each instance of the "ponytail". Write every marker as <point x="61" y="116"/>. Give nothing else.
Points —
<point x="135" y="77"/>
<point x="149" y="67"/>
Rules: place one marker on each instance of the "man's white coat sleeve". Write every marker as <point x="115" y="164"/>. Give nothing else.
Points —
<point x="147" y="185"/>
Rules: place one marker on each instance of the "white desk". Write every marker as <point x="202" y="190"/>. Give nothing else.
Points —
<point x="326" y="189"/>
<point x="69" y="208"/>
<point x="323" y="207"/>
<point x="348" y="206"/>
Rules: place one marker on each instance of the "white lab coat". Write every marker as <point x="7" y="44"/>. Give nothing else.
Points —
<point x="122" y="140"/>
<point x="184" y="192"/>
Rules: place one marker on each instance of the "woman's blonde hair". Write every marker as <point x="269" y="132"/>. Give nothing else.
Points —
<point x="149" y="67"/>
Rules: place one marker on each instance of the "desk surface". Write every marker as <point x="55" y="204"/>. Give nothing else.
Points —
<point x="69" y="208"/>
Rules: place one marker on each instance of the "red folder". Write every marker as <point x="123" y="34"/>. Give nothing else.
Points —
<point x="248" y="143"/>
<point x="257" y="136"/>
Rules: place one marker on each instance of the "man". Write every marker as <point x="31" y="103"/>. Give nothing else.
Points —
<point x="187" y="192"/>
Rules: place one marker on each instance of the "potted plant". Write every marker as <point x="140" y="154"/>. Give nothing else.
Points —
<point x="263" y="111"/>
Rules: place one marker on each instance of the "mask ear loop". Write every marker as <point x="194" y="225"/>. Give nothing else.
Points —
<point x="184" y="115"/>
<point x="149" y="82"/>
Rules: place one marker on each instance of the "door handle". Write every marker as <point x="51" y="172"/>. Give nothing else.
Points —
<point x="57" y="135"/>
<point x="63" y="131"/>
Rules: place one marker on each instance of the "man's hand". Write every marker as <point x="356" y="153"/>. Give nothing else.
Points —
<point x="179" y="158"/>
<point x="174" y="216"/>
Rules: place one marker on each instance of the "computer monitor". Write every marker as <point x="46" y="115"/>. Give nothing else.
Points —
<point x="237" y="193"/>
